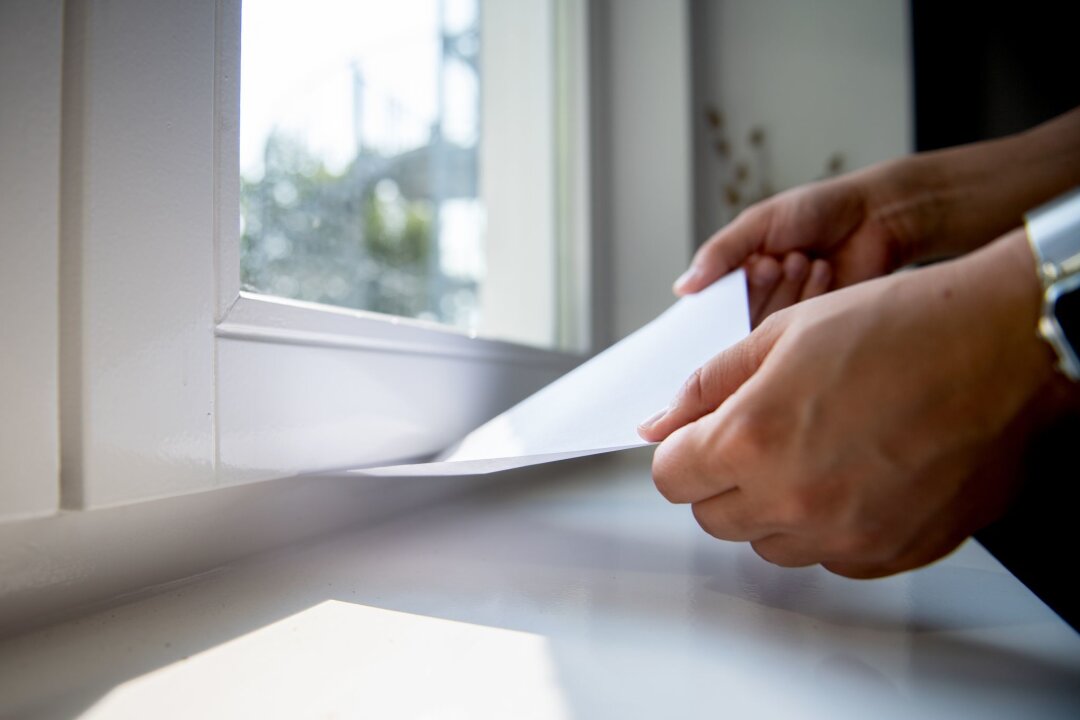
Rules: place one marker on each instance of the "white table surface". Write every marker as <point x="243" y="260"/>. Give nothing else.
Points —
<point x="571" y="591"/>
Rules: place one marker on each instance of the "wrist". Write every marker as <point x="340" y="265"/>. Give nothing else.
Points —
<point x="954" y="201"/>
<point x="1005" y="282"/>
<point x="981" y="191"/>
<point x="908" y="198"/>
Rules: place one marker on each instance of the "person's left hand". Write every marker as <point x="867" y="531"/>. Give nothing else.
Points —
<point x="867" y="429"/>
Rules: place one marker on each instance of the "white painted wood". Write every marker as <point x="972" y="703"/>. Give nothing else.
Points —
<point x="30" y="52"/>
<point x="139" y="222"/>
<point x="575" y="274"/>
<point x="650" y="159"/>
<point x="174" y="383"/>
<point x="518" y="170"/>
<point x="303" y="387"/>
<point x="572" y="591"/>
<point x="51" y="567"/>
<point x="227" y="154"/>
<point x="271" y="319"/>
<point x="303" y="404"/>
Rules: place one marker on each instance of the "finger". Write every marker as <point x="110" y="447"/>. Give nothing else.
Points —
<point x="923" y="555"/>
<point x="786" y="550"/>
<point x="817" y="281"/>
<point x="796" y="268"/>
<point x="937" y="537"/>
<point x="762" y="275"/>
<point x="689" y="466"/>
<point x="731" y="516"/>
<point x="712" y="383"/>
<point x="726" y="250"/>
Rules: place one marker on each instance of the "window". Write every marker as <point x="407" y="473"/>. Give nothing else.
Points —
<point x="177" y="379"/>
<point x="358" y="155"/>
<point x="376" y="142"/>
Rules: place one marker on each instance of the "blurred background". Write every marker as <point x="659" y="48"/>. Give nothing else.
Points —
<point x="539" y="172"/>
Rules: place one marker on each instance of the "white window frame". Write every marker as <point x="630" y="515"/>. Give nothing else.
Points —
<point x="178" y="382"/>
<point x="126" y="180"/>
<point x="30" y="51"/>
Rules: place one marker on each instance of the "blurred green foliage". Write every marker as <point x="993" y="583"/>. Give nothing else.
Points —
<point x="349" y="239"/>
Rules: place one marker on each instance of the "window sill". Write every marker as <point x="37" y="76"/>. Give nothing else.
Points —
<point x="571" y="590"/>
<point x="264" y="318"/>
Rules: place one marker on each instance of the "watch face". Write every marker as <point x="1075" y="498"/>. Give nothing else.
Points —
<point x="1067" y="312"/>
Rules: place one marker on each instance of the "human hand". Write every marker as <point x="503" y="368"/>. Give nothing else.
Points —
<point x="835" y="233"/>
<point x="801" y="243"/>
<point x="869" y="429"/>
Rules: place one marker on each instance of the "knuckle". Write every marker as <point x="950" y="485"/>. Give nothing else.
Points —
<point x="792" y="511"/>
<point x="854" y="571"/>
<point x="765" y="552"/>
<point x="859" y="545"/>
<point x="779" y="553"/>
<point x="767" y="326"/>
<point x="756" y="212"/>
<point x="704" y="520"/>
<point x="747" y="434"/>
<point x="663" y="479"/>
<point x="716" y="523"/>
<point x="806" y="505"/>
<point x="868" y="569"/>
<point x="669" y="468"/>
<point x="849" y="545"/>
<point x="774" y="322"/>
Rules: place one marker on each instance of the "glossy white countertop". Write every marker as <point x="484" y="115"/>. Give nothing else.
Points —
<point x="571" y="591"/>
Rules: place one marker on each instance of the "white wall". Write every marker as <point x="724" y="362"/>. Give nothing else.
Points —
<point x="821" y="77"/>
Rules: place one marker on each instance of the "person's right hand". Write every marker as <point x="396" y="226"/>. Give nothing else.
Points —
<point x="806" y="241"/>
<point x="873" y="429"/>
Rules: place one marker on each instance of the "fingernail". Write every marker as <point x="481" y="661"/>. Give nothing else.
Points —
<point x="653" y="419"/>
<point x="765" y="272"/>
<point x="795" y="266"/>
<point x="686" y="278"/>
<point x="820" y="271"/>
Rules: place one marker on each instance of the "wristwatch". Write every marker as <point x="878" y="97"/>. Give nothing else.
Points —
<point x="1054" y="233"/>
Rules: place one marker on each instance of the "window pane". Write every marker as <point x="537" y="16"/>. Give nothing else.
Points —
<point x="360" y="140"/>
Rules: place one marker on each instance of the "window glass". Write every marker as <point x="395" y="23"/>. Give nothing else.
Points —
<point x="359" y="152"/>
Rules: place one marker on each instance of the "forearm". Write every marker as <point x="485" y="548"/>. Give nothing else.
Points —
<point x="949" y="202"/>
<point x="1000" y="280"/>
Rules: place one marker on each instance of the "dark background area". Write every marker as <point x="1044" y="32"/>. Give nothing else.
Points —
<point x="982" y="71"/>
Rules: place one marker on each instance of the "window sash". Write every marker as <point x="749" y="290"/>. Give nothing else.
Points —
<point x="183" y="383"/>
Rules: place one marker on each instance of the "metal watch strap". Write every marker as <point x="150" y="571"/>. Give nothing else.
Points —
<point x="1053" y="230"/>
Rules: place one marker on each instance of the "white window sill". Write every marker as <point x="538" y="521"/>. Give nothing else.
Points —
<point x="572" y="590"/>
<point x="270" y="319"/>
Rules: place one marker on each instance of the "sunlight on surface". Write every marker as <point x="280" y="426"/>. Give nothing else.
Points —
<point x="337" y="659"/>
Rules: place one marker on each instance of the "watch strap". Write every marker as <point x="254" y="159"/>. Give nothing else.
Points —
<point x="1053" y="230"/>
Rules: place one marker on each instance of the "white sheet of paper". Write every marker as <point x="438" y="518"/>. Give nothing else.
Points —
<point x="597" y="407"/>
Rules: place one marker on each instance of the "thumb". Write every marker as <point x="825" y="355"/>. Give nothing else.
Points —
<point x="713" y="382"/>
<point x="726" y="250"/>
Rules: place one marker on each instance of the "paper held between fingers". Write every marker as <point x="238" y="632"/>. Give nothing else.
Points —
<point x="596" y="407"/>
